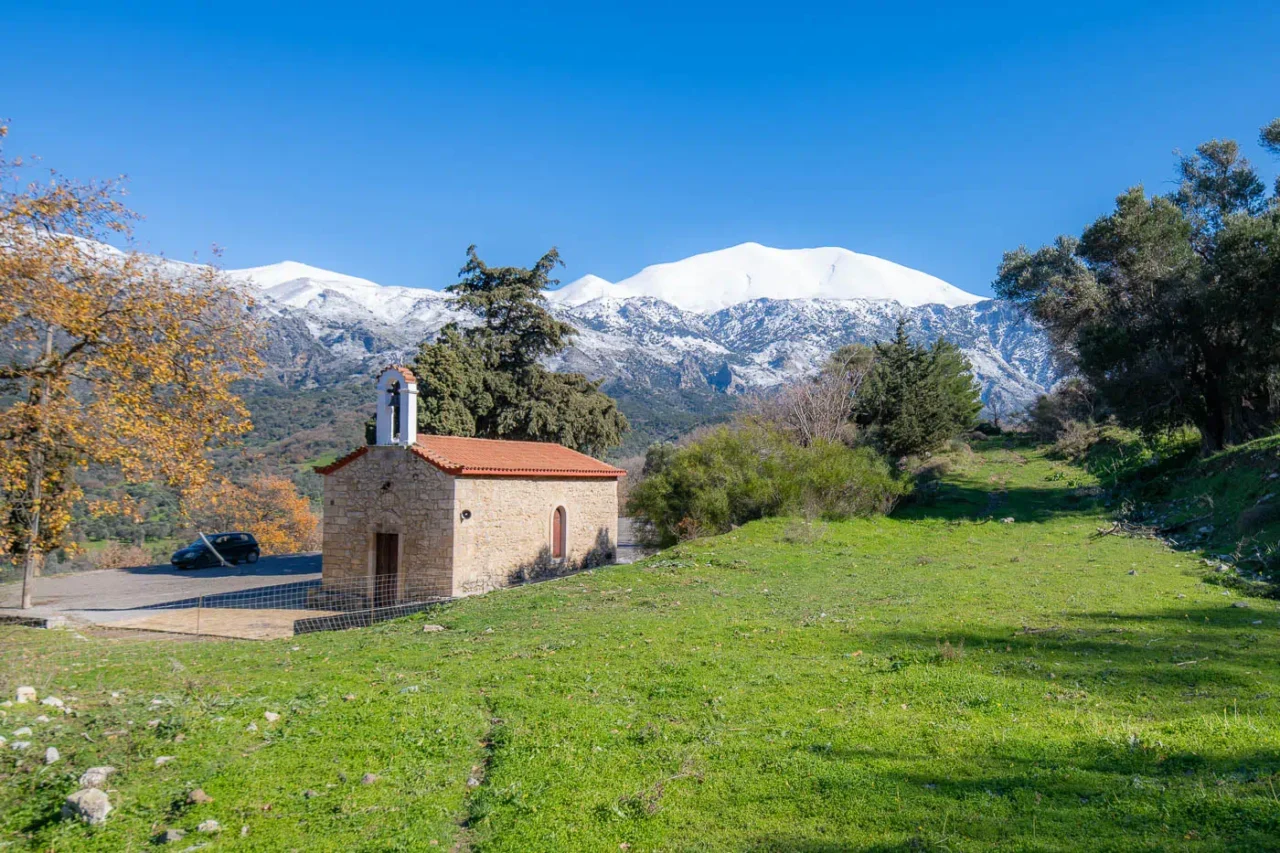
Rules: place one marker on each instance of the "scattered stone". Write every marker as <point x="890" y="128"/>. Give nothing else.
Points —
<point x="308" y="794"/>
<point x="52" y="702"/>
<point x="431" y="629"/>
<point x="89" y="805"/>
<point x="1256" y="622"/>
<point x="43" y="718"/>
<point x="22" y="732"/>
<point x="412" y="688"/>
<point x="52" y="756"/>
<point x="350" y="697"/>
<point x="271" y="716"/>
<point x="151" y="724"/>
<point x="96" y="777"/>
<point x="209" y="826"/>
<point x="368" y="778"/>
<point x="252" y="727"/>
<point x="25" y="695"/>
<point x="171" y="835"/>
<point x="1239" y="604"/>
<point x="1272" y="476"/>
<point x="3" y="741"/>
<point x="1207" y="529"/>
<point x="244" y="830"/>
<point x="6" y="704"/>
<point x="179" y="737"/>
<point x="1007" y="520"/>
<point x="198" y="797"/>
<point x="162" y="760"/>
<point x="1133" y="571"/>
<point x="473" y="782"/>
<point x="20" y="745"/>
<point x="1181" y="595"/>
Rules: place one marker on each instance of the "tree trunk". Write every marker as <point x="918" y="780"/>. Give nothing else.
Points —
<point x="35" y="477"/>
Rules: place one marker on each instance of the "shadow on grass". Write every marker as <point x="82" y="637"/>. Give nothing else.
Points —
<point x="1101" y="795"/>
<point x="956" y="501"/>
<point x="1192" y="649"/>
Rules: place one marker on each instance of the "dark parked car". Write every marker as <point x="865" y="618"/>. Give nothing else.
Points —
<point x="234" y="548"/>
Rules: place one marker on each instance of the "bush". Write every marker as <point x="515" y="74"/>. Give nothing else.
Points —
<point x="732" y="475"/>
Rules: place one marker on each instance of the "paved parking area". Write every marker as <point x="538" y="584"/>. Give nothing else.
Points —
<point x="136" y="597"/>
<point x="250" y="601"/>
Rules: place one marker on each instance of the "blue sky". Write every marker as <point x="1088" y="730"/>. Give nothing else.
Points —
<point x="381" y="141"/>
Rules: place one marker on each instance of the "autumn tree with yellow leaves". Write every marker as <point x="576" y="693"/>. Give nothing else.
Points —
<point x="107" y="356"/>
<point x="280" y="518"/>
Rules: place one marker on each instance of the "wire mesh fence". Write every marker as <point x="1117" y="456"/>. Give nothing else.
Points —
<point x="251" y="608"/>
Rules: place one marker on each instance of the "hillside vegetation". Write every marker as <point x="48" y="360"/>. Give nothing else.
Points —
<point x="939" y="679"/>
<point x="1225" y="507"/>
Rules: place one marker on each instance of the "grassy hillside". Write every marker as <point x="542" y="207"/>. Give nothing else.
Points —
<point x="1225" y="507"/>
<point x="937" y="680"/>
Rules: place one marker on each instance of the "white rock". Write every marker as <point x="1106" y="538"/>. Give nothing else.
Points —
<point x="52" y="702"/>
<point x="22" y="732"/>
<point x="209" y="825"/>
<point x="431" y="629"/>
<point x="89" y="805"/>
<point x="252" y="727"/>
<point x="165" y="759"/>
<point x="25" y="695"/>
<point x="271" y="716"/>
<point x="3" y="741"/>
<point x="1007" y="520"/>
<point x="96" y="777"/>
<point x="52" y="756"/>
<point x="42" y="719"/>
<point x="20" y="745"/>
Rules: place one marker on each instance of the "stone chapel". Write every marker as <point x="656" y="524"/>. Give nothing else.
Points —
<point x="415" y="516"/>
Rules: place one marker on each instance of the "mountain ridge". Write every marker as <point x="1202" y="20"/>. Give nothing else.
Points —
<point x="712" y="281"/>
<point x="655" y="356"/>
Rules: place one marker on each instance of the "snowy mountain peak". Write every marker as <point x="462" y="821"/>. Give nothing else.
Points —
<point x="272" y="275"/>
<point x="716" y="280"/>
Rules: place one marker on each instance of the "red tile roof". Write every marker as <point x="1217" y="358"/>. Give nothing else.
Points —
<point x="479" y="457"/>
<point x="486" y="457"/>
<point x="402" y="370"/>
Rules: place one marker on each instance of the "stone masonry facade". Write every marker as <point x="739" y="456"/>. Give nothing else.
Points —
<point x="458" y="535"/>
<point x="508" y="536"/>
<point x="389" y="490"/>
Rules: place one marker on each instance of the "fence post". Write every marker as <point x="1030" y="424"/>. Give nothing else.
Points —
<point x="199" y="608"/>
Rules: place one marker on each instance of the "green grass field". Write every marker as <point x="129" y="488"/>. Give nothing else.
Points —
<point x="930" y="681"/>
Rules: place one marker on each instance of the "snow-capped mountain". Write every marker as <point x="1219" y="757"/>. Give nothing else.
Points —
<point x="741" y="319"/>
<point x="717" y="280"/>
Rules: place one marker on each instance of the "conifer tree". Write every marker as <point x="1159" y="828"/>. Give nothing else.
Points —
<point x="488" y="380"/>
<point x="916" y="398"/>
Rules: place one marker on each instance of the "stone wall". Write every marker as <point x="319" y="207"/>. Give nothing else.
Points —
<point x="389" y="490"/>
<point x="508" y="535"/>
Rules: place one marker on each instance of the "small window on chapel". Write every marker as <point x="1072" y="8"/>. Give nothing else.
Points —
<point x="558" y="534"/>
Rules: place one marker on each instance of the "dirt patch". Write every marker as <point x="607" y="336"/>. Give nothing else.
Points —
<point x="234" y="623"/>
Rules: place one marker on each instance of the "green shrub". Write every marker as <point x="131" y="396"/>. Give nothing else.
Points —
<point x="733" y="475"/>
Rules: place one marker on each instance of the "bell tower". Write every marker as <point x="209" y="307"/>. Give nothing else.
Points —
<point x="397" y="414"/>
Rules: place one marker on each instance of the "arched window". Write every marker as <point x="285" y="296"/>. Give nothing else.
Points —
<point x="558" y="534"/>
